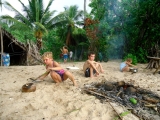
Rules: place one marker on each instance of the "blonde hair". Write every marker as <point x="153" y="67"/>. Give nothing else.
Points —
<point x="48" y="55"/>
<point x="129" y="59"/>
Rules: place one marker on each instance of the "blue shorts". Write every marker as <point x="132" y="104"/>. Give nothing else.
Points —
<point x="65" y="56"/>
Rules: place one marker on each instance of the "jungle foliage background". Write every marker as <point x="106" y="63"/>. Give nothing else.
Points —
<point x="116" y="28"/>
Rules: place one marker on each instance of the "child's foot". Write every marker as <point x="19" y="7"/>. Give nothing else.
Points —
<point x="57" y="83"/>
<point x="74" y="84"/>
<point x="102" y="71"/>
<point x="96" y="75"/>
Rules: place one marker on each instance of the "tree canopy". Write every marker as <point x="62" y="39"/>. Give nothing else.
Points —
<point x="124" y="27"/>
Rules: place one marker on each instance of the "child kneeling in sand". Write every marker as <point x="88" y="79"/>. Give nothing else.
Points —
<point x="124" y="66"/>
<point x="91" y="67"/>
<point x="55" y="70"/>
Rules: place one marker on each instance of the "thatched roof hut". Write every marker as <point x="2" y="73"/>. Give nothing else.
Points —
<point x="20" y="54"/>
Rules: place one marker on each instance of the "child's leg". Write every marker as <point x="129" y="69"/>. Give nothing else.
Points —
<point x="99" y="66"/>
<point x="101" y="69"/>
<point x="56" y="77"/>
<point x="91" y="71"/>
<point x="67" y="74"/>
<point x="125" y="69"/>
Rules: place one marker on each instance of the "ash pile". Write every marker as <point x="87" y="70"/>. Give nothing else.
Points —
<point x="141" y="102"/>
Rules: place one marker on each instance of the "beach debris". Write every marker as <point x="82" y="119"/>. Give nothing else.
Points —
<point x="72" y="68"/>
<point x="31" y="87"/>
<point x="141" y="102"/>
<point x="122" y="114"/>
<point x="28" y="87"/>
<point x="133" y="70"/>
<point x="132" y="100"/>
<point x="74" y="110"/>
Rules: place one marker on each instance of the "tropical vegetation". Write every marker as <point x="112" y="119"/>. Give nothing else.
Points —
<point x="115" y="28"/>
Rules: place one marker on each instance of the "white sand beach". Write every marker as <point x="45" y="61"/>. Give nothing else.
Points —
<point x="65" y="101"/>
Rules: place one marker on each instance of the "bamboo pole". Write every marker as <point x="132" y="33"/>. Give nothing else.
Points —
<point x="1" y="37"/>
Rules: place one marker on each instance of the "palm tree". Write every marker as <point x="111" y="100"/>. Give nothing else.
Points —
<point x="34" y="18"/>
<point x="75" y="36"/>
<point x="71" y="20"/>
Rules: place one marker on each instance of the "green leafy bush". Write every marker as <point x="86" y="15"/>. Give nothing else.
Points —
<point x="141" y="55"/>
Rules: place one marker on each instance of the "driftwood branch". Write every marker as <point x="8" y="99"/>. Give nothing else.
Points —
<point x="96" y="93"/>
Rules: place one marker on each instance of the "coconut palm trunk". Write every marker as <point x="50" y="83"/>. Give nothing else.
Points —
<point x="39" y="43"/>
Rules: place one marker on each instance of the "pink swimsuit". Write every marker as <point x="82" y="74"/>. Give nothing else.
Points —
<point x="60" y="72"/>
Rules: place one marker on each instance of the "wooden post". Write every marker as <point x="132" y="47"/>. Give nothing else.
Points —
<point x="1" y="37"/>
<point x="84" y="10"/>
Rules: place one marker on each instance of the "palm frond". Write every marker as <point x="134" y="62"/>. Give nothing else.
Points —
<point x="11" y="8"/>
<point x="48" y="6"/>
<point x="21" y="27"/>
<point x="18" y="14"/>
<point x="10" y="20"/>
<point x="78" y="15"/>
<point x="40" y="27"/>
<point x="78" y="31"/>
<point x="47" y="17"/>
<point x="25" y="9"/>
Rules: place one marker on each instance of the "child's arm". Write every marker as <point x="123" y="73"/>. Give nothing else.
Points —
<point x="92" y="65"/>
<point x="130" y="64"/>
<point x="56" y="68"/>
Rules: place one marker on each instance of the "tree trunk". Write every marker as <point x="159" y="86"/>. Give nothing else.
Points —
<point x="75" y="54"/>
<point x="39" y="43"/>
<point x="81" y="56"/>
<point x="84" y="9"/>
<point x="1" y="44"/>
<point x="68" y="38"/>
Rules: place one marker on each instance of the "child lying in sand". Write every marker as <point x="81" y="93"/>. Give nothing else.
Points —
<point x="55" y="70"/>
<point x="91" y="67"/>
<point x="124" y="66"/>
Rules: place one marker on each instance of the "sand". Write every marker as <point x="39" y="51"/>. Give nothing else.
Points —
<point x="65" y="102"/>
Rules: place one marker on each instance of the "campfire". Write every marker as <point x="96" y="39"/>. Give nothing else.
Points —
<point x="141" y="102"/>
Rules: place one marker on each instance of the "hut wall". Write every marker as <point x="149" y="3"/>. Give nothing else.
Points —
<point x="18" y="56"/>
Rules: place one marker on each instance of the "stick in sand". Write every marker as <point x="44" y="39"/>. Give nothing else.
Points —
<point x="46" y="73"/>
